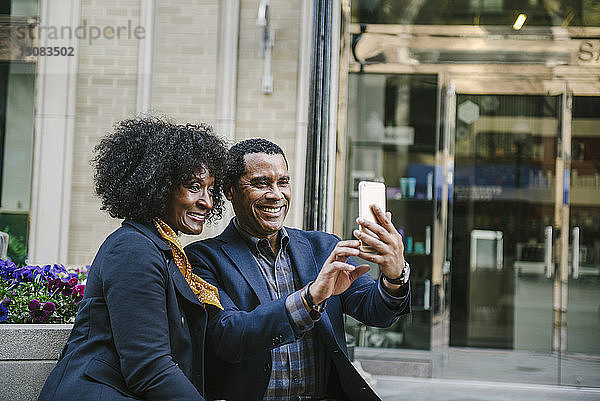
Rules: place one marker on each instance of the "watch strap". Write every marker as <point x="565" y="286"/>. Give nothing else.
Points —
<point x="404" y="276"/>
<point x="311" y="303"/>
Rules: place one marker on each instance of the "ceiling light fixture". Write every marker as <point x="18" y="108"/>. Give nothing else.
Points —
<point x="519" y="22"/>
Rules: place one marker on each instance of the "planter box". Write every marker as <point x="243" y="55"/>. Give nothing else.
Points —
<point x="28" y="352"/>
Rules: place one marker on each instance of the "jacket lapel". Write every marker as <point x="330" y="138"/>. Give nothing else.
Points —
<point x="236" y="248"/>
<point x="181" y="285"/>
<point x="302" y="256"/>
<point x="179" y="281"/>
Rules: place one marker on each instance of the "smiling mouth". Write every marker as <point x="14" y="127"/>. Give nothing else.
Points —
<point x="271" y="209"/>
<point x="197" y="216"/>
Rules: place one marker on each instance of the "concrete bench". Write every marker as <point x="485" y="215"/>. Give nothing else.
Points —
<point x="28" y="352"/>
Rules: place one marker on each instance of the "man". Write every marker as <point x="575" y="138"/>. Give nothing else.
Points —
<point x="284" y="291"/>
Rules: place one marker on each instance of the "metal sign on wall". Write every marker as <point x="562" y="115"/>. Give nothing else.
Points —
<point x="589" y="52"/>
<point x="17" y="35"/>
<point x="413" y="45"/>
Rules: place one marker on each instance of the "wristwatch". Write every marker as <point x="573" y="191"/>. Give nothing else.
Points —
<point x="404" y="276"/>
<point x="314" y="310"/>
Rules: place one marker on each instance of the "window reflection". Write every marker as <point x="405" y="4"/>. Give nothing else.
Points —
<point x="584" y="272"/>
<point x="17" y="87"/>
<point x="392" y="138"/>
<point x="503" y="199"/>
<point x="477" y="12"/>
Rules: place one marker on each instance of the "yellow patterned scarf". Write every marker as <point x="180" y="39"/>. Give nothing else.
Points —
<point x="206" y="292"/>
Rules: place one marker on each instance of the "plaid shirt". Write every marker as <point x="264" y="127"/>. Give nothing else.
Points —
<point x="298" y="369"/>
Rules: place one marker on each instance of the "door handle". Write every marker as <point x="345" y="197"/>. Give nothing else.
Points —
<point x="575" y="252"/>
<point x="548" y="251"/>
<point x="426" y="294"/>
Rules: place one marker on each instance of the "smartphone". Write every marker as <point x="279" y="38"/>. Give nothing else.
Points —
<point x="370" y="193"/>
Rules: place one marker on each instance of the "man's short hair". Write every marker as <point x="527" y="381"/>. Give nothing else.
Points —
<point x="235" y="158"/>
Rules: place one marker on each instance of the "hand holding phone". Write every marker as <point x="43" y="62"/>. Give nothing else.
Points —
<point x="370" y="193"/>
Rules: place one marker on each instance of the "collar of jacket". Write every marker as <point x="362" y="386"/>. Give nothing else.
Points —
<point x="149" y="231"/>
<point x="300" y="250"/>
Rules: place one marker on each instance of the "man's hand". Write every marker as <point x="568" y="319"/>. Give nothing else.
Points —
<point x="336" y="275"/>
<point x="388" y="245"/>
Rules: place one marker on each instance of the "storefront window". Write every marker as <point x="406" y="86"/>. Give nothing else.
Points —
<point x="518" y="112"/>
<point x="16" y="144"/>
<point x="17" y="88"/>
<point x="503" y="204"/>
<point x="392" y="139"/>
<point x="584" y="273"/>
<point x="19" y="8"/>
<point x="477" y="12"/>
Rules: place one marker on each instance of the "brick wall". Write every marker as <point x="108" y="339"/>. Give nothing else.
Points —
<point x="106" y="93"/>
<point x="185" y="60"/>
<point x="269" y="116"/>
<point x="183" y="87"/>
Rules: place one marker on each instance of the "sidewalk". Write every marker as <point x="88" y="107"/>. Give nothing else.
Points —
<point x="484" y="365"/>
<point x="394" y="388"/>
<point x="463" y="374"/>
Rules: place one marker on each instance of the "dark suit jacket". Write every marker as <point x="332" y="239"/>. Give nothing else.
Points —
<point x="139" y="330"/>
<point x="240" y="338"/>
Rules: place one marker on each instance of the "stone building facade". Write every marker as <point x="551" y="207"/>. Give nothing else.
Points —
<point x="190" y="60"/>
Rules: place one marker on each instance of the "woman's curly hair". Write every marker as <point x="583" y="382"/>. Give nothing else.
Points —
<point x="140" y="164"/>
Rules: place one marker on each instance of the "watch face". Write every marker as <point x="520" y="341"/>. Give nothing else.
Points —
<point x="404" y="276"/>
<point x="406" y="273"/>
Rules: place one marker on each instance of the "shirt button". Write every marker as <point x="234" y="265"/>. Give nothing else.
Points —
<point x="295" y="378"/>
<point x="182" y="321"/>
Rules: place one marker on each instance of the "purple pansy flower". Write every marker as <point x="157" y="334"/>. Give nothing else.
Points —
<point x="7" y="269"/>
<point x="56" y="270"/>
<point x="78" y="292"/>
<point x="54" y="284"/>
<point x="39" y="313"/>
<point x="23" y="274"/>
<point x="35" y="311"/>
<point x="3" y="313"/>
<point x="68" y="286"/>
<point x="49" y="307"/>
<point x="34" y="304"/>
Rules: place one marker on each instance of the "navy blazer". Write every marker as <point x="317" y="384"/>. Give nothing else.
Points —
<point x="241" y="337"/>
<point x="139" y="330"/>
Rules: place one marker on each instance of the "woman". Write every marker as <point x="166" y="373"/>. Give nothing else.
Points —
<point x="139" y="331"/>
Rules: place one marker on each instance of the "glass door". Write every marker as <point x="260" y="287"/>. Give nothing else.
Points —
<point x="507" y="215"/>
<point x="392" y="133"/>
<point x="581" y="358"/>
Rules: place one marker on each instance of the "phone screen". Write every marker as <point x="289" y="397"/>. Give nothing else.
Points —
<point x="370" y="193"/>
